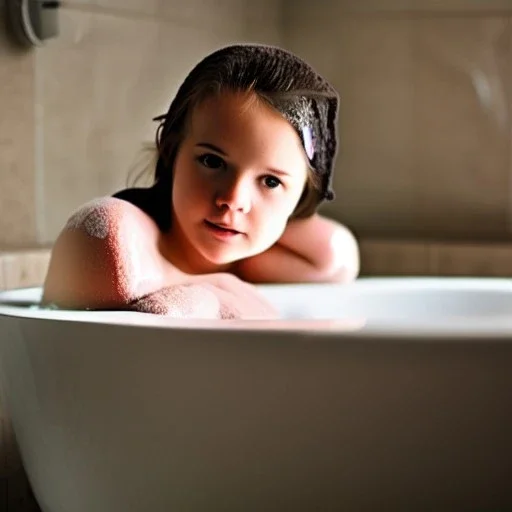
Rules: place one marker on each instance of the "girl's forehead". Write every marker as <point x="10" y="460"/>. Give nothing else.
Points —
<point x="229" y="110"/>
<point x="226" y="103"/>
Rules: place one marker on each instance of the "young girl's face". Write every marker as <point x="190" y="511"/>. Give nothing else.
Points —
<point x="238" y="176"/>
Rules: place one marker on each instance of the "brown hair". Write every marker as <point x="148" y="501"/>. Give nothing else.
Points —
<point x="168" y="146"/>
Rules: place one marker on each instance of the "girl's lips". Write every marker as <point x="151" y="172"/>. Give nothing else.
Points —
<point x="220" y="231"/>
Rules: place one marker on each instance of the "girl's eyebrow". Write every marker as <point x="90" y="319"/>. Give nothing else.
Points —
<point x="207" y="145"/>
<point x="212" y="147"/>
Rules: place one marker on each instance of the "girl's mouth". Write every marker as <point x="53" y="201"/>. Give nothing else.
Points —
<point x="221" y="231"/>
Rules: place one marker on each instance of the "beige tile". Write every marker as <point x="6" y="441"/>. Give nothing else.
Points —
<point x="103" y="81"/>
<point x="269" y="11"/>
<point x="462" y="127"/>
<point x="201" y="12"/>
<point x="370" y="64"/>
<point x="235" y="20"/>
<point x="255" y="32"/>
<point x="300" y="17"/>
<point x="2" y="287"/>
<point x="509" y="112"/>
<point x="264" y="22"/>
<point x="424" y="122"/>
<point x="131" y="6"/>
<point x="491" y="260"/>
<point x="17" y="198"/>
<point x="25" y="269"/>
<point x="370" y="7"/>
<point x="83" y="88"/>
<point x="389" y="258"/>
<point x="239" y="16"/>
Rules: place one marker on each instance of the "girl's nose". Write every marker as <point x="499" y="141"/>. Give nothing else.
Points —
<point x="235" y="195"/>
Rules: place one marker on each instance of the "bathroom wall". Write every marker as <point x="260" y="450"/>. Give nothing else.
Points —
<point x="425" y="118"/>
<point x="17" y="172"/>
<point x="425" y="113"/>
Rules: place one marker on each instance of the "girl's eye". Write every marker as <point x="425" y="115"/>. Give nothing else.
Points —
<point x="271" y="182"/>
<point x="211" y="161"/>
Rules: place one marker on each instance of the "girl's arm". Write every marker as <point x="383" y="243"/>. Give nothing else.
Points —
<point x="105" y="258"/>
<point x="315" y="249"/>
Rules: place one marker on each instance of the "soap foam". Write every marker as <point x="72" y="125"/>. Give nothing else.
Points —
<point x="93" y="217"/>
<point x="180" y="301"/>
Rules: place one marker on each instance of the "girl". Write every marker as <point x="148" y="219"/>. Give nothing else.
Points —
<point x="245" y="157"/>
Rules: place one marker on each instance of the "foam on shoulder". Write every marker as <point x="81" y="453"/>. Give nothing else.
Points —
<point x="94" y="217"/>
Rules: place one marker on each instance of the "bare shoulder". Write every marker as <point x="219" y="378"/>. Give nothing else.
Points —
<point x="97" y="259"/>
<point x="104" y="212"/>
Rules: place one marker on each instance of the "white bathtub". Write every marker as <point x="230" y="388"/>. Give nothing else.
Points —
<point x="389" y="394"/>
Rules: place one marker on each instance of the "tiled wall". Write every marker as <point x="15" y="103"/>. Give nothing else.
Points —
<point x="425" y="118"/>
<point x="17" y="170"/>
<point x="425" y="114"/>
<point x="21" y="269"/>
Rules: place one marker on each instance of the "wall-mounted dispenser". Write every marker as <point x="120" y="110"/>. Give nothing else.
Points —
<point x="31" y="22"/>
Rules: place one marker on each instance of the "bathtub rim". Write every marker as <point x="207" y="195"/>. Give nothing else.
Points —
<point x="480" y="329"/>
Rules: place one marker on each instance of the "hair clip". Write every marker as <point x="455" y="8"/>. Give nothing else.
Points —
<point x="309" y="141"/>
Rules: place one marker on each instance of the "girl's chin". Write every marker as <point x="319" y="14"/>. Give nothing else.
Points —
<point x="223" y="259"/>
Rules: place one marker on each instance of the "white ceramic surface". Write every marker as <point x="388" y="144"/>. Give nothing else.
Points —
<point x="388" y="394"/>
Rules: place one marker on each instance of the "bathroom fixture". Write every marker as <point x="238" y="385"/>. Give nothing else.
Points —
<point x="32" y="22"/>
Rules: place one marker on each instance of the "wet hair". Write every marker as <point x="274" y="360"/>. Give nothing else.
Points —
<point x="277" y="77"/>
